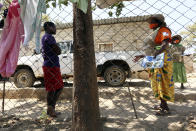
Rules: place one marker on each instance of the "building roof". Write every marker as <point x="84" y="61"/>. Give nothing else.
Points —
<point x="110" y="21"/>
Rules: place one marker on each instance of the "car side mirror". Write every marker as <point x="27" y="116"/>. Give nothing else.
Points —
<point x="71" y="49"/>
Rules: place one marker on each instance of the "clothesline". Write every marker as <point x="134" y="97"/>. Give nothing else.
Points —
<point x="20" y="27"/>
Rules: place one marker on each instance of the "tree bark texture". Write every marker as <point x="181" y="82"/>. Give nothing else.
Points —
<point x="85" y="104"/>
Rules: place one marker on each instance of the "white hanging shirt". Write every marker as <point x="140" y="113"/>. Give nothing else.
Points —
<point x="31" y="16"/>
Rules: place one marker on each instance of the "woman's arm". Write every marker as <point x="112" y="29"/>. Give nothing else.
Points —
<point x="138" y="57"/>
<point x="164" y="44"/>
<point x="56" y="49"/>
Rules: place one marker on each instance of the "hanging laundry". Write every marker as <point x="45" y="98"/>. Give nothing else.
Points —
<point x="10" y="40"/>
<point x="37" y="23"/>
<point x="2" y="21"/>
<point x="81" y="4"/>
<point x="107" y="3"/>
<point x="1" y="5"/>
<point x="31" y="16"/>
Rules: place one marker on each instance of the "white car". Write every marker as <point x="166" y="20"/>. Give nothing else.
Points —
<point x="114" y="67"/>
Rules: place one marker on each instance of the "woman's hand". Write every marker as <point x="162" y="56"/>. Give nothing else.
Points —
<point x="138" y="57"/>
<point x="164" y="45"/>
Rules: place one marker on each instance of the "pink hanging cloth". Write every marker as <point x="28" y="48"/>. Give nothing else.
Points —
<point x="11" y="38"/>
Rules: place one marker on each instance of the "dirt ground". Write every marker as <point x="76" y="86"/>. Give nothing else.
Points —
<point x="115" y="107"/>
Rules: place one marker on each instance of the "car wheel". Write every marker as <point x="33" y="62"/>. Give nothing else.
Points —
<point x="115" y="75"/>
<point x="24" y="78"/>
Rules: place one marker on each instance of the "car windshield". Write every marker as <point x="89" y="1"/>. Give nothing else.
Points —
<point x="65" y="46"/>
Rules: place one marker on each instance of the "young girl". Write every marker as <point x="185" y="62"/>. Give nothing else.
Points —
<point x="51" y="68"/>
<point x="177" y="50"/>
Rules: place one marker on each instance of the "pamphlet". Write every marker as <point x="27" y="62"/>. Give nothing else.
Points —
<point x="152" y="62"/>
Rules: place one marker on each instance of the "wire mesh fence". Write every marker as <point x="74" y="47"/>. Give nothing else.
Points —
<point x="126" y="99"/>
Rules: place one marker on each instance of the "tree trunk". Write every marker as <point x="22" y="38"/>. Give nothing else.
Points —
<point x="85" y="104"/>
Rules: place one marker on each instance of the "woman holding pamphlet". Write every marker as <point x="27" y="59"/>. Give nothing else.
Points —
<point x="157" y="44"/>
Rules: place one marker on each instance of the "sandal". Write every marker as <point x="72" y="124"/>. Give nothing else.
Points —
<point x="163" y="112"/>
<point x="51" y="112"/>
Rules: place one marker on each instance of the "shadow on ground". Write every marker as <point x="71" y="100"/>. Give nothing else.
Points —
<point x="104" y="84"/>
